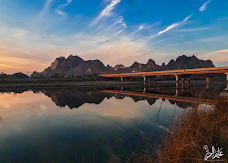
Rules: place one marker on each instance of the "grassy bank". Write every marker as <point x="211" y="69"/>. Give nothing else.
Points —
<point x="194" y="129"/>
<point x="188" y="133"/>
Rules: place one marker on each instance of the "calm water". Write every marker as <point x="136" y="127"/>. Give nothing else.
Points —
<point x="79" y="125"/>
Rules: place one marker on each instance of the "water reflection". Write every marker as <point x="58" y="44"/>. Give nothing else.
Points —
<point x="74" y="98"/>
<point x="42" y="126"/>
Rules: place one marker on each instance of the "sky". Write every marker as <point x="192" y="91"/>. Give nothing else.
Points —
<point x="35" y="32"/>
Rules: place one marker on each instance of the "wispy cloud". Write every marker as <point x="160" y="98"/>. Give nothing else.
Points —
<point x="213" y="39"/>
<point x="61" y="7"/>
<point x="171" y="27"/>
<point x="45" y="8"/>
<point x="69" y="1"/>
<point x="193" y="29"/>
<point x="141" y="27"/>
<point x="61" y="12"/>
<point x="123" y="26"/>
<point x="204" y="6"/>
<point x="106" y="11"/>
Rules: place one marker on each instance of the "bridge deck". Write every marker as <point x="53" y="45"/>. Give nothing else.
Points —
<point x="213" y="70"/>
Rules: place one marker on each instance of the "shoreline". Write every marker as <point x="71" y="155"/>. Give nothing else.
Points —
<point x="75" y="84"/>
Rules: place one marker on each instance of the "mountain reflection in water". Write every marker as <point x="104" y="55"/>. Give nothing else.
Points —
<point x="74" y="98"/>
<point x="38" y="126"/>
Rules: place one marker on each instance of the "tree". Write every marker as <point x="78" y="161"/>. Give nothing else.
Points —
<point x="20" y="75"/>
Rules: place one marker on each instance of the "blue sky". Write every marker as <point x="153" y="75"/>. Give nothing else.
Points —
<point x="34" y="32"/>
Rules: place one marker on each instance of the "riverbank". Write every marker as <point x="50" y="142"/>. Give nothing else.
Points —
<point x="64" y="84"/>
<point x="191" y="137"/>
<point x="67" y="83"/>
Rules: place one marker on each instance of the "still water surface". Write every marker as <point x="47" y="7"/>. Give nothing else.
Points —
<point x="72" y="125"/>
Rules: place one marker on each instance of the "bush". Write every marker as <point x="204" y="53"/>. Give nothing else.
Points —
<point x="19" y="75"/>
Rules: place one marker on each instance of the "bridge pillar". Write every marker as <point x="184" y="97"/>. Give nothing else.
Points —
<point x="177" y="92"/>
<point x="177" y="81"/>
<point x="121" y="78"/>
<point x="144" y="90"/>
<point x="208" y="79"/>
<point x="177" y="85"/>
<point x="149" y="79"/>
<point x="183" y="82"/>
<point x="189" y="80"/>
<point x="121" y="88"/>
<point x="144" y="79"/>
<point x="154" y="81"/>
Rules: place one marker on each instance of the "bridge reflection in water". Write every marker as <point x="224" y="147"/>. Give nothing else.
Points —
<point x="186" y="95"/>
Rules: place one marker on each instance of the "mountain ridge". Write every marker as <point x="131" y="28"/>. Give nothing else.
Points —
<point x="76" y="66"/>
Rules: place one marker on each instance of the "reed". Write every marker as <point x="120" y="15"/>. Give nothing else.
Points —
<point x="194" y="129"/>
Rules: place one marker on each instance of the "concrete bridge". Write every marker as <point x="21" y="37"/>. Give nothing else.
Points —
<point x="179" y="74"/>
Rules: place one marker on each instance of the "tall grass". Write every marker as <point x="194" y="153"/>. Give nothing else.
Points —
<point x="194" y="129"/>
<point x="188" y="133"/>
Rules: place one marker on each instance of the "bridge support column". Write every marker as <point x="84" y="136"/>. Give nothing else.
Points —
<point x="144" y="79"/>
<point x="189" y="80"/>
<point x="177" y="85"/>
<point x="121" y="79"/>
<point x="177" y="81"/>
<point x="149" y="80"/>
<point x="144" y="90"/>
<point x="183" y="83"/>
<point x="208" y="79"/>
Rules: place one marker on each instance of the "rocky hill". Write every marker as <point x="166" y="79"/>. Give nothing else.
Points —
<point x="76" y="66"/>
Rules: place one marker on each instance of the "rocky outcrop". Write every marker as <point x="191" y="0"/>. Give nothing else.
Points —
<point x="117" y="67"/>
<point x="76" y="66"/>
<point x="73" y="65"/>
<point x="184" y="62"/>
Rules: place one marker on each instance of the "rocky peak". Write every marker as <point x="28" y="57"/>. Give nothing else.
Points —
<point x="117" y="67"/>
<point x="151" y="61"/>
<point x="135" y="65"/>
<point x="74" y="61"/>
<point x="171" y="61"/>
<point x="208" y="63"/>
<point x="57" y="61"/>
<point x="95" y="64"/>
<point x="182" y="58"/>
<point x="151" y="65"/>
